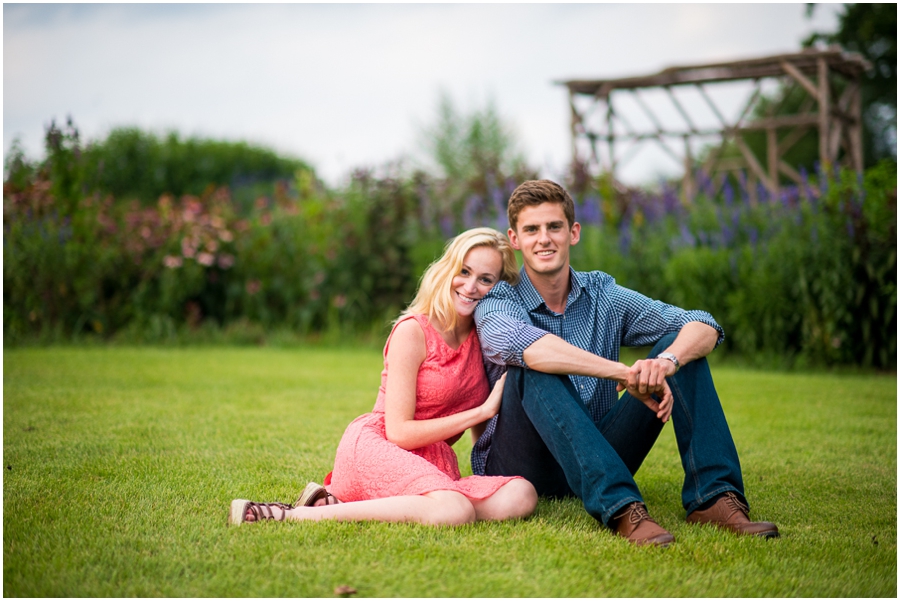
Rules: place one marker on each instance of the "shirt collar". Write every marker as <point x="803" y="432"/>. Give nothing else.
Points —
<point x="531" y="297"/>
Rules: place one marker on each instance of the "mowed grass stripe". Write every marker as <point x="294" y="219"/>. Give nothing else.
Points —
<point x="120" y="463"/>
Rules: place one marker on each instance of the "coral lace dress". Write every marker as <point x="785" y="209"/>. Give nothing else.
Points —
<point x="368" y="466"/>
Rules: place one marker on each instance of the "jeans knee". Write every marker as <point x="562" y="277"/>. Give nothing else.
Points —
<point x="663" y="343"/>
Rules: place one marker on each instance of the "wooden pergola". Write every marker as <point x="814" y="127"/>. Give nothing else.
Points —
<point x="596" y="121"/>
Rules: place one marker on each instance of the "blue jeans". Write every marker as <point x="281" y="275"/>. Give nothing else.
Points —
<point x="545" y="434"/>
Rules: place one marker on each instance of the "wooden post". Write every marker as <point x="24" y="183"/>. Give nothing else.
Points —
<point x="772" y="147"/>
<point x="573" y="126"/>
<point x="824" y="117"/>
<point x="856" y="129"/>
<point x="751" y="189"/>
<point x="687" y="181"/>
<point x="611" y="143"/>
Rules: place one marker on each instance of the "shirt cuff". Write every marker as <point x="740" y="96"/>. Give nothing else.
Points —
<point x="704" y="317"/>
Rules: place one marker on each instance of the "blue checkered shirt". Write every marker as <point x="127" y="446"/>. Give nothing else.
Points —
<point x="600" y="317"/>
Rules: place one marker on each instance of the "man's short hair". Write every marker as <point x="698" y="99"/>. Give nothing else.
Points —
<point x="536" y="192"/>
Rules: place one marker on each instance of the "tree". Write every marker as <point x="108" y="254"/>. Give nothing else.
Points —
<point x="477" y="158"/>
<point x="871" y="30"/>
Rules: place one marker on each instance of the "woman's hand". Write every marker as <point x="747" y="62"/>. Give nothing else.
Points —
<point x="491" y="406"/>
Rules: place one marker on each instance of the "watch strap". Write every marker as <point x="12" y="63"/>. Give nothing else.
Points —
<point x="671" y="358"/>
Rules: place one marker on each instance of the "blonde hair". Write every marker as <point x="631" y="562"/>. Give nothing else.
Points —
<point x="434" y="297"/>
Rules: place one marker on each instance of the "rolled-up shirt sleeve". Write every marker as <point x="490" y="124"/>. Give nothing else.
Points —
<point x="504" y="328"/>
<point x="644" y="321"/>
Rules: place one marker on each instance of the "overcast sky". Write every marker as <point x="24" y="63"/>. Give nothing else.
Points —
<point x="345" y="86"/>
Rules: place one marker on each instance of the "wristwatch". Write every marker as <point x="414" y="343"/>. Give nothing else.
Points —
<point x="671" y="358"/>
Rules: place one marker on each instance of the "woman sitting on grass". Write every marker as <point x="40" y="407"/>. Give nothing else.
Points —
<point x="396" y="463"/>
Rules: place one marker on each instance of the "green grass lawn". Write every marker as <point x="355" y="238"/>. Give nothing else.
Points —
<point x="119" y="466"/>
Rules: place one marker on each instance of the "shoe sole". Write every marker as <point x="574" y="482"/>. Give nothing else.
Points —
<point x="237" y="512"/>
<point x="655" y="543"/>
<point x="763" y="534"/>
<point x="312" y="493"/>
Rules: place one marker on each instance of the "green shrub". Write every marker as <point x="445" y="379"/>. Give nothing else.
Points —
<point x="808" y="277"/>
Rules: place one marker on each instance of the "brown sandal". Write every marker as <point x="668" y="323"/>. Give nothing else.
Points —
<point x="313" y="493"/>
<point x="261" y="511"/>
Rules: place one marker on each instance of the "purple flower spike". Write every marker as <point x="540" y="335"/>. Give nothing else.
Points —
<point x="728" y="193"/>
<point x="625" y="236"/>
<point x="446" y="226"/>
<point x="470" y="212"/>
<point x="745" y="190"/>
<point x="823" y="179"/>
<point x="687" y="238"/>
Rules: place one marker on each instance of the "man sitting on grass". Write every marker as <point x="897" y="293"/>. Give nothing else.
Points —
<point x="561" y="424"/>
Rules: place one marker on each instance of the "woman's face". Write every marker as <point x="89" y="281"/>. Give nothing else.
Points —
<point x="480" y="271"/>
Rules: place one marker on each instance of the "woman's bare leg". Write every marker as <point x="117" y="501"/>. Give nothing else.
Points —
<point x="440" y="507"/>
<point x="515" y="499"/>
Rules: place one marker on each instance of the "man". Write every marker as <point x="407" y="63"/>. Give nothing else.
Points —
<point x="561" y="424"/>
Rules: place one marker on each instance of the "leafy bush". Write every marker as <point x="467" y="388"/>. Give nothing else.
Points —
<point x="808" y="277"/>
<point x="810" y="281"/>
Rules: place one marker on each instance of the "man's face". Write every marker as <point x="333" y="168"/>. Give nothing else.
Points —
<point x="544" y="237"/>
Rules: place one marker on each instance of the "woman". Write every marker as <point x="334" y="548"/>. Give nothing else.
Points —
<point x="396" y="463"/>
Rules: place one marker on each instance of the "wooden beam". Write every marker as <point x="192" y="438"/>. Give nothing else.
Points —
<point x="714" y="108"/>
<point x="792" y="137"/>
<point x="782" y="122"/>
<point x="629" y="153"/>
<point x="800" y="78"/>
<point x="851" y="65"/>
<point x="790" y="172"/>
<point x="684" y="115"/>
<point x="754" y="165"/>
<point x="659" y="128"/>
<point x="731" y="164"/>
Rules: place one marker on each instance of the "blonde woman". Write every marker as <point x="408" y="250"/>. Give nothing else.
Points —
<point x="396" y="464"/>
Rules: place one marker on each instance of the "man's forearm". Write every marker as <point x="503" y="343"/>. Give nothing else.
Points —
<point x="553" y="355"/>
<point x="695" y="340"/>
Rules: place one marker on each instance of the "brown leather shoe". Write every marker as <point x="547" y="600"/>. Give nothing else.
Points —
<point x="731" y="514"/>
<point x="635" y="524"/>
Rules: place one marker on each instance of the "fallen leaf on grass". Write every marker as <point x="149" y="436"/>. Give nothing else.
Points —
<point x="344" y="590"/>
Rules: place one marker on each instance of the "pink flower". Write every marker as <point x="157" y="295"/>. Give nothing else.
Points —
<point x="206" y="259"/>
<point x="225" y="261"/>
<point x="187" y="249"/>
<point x="339" y="301"/>
<point x="253" y="286"/>
<point x="226" y="236"/>
<point x="172" y="262"/>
